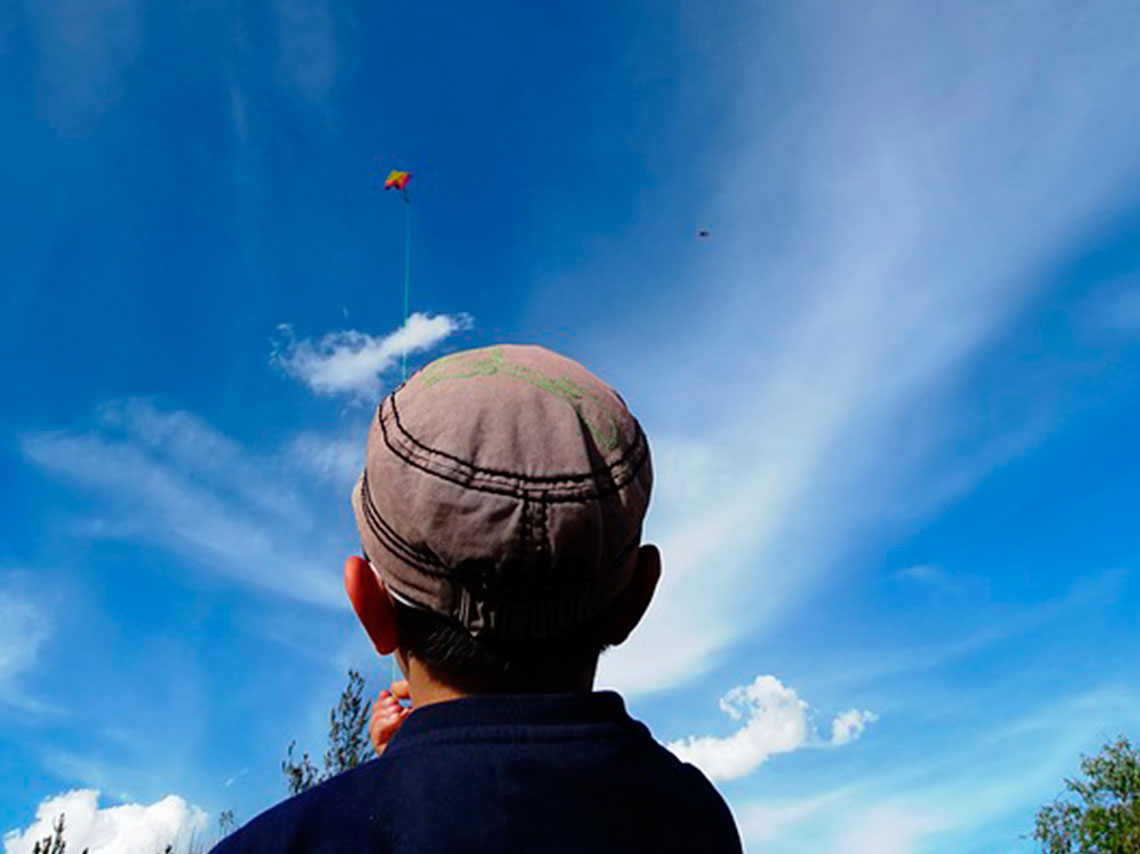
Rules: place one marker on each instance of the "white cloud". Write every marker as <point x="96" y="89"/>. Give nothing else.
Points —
<point x="351" y="362"/>
<point x="170" y="478"/>
<point x="775" y="720"/>
<point x="124" y="829"/>
<point x="848" y="726"/>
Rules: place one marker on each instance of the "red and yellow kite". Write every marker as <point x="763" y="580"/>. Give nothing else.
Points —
<point x="397" y="180"/>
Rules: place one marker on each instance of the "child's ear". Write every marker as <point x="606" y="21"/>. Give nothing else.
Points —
<point x="632" y="603"/>
<point x="371" y="603"/>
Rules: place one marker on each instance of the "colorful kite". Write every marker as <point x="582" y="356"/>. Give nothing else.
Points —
<point x="398" y="180"/>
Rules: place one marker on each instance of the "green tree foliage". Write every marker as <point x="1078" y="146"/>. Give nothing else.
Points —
<point x="300" y="775"/>
<point x="1100" y="812"/>
<point x="348" y="745"/>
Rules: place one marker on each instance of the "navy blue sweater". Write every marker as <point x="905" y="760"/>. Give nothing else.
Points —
<point x="543" y="773"/>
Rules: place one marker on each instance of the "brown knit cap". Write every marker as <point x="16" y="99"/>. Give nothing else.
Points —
<point x="504" y="488"/>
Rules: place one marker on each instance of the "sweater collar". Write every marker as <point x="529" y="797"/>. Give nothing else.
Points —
<point x="599" y="707"/>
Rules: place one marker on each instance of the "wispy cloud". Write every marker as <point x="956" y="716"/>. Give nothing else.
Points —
<point x="762" y="822"/>
<point x="913" y="212"/>
<point x="24" y="627"/>
<point x="923" y="572"/>
<point x="774" y="720"/>
<point x="337" y="460"/>
<point x="351" y="362"/>
<point x="892" y="827"/>
<point x="848" y="819"/>
<point x="123" y="829"/>
<point x="170" y="478"/>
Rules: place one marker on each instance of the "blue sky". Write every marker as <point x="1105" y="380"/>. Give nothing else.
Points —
<point x="893" y="399"/>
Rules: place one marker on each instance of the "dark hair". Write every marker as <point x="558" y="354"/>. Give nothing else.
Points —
<point x="487" y="665"/>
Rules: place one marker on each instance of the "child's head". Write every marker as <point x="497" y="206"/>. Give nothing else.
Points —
<point x="501" y="509"/>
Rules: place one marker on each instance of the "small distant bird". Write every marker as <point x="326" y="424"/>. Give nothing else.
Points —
<point x="704" y="234"/>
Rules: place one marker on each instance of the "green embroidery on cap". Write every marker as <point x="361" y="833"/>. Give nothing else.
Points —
<point x="483" y="363"/>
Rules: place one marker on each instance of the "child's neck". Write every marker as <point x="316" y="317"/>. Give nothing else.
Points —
<point x="426" y="689"/>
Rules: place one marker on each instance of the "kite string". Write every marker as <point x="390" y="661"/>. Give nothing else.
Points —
<point x="393" y="673"/>
<point x="407" y="279"/>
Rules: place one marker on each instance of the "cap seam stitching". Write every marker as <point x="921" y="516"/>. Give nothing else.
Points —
<point x="518" y="487"/>
<point x="521" y="490"/>
<point x="604" y="492"/>
<point x="382" y="528"/>
<point x="396" y="544"/>
<point x="568" y="477"/>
